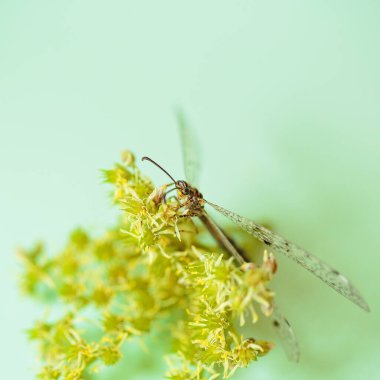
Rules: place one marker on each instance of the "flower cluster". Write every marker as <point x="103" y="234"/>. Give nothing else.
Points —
<point x="152" y="269"/>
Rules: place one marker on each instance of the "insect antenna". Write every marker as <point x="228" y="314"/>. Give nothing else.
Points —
<point x="160" y="167"/>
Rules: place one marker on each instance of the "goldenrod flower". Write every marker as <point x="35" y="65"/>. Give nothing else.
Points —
<point x="151" y="267"/>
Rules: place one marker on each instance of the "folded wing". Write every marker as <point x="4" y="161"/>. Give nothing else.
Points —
<point x="190" y="150"/>
<point x="310" y="262"/>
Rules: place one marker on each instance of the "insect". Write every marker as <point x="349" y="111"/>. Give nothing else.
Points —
<point x="194" y="203"/>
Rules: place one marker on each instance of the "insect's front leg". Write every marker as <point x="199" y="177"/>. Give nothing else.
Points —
<point x="187" y="206"/>
<point x="167" y="192"/>
<point x="193" y="208"/>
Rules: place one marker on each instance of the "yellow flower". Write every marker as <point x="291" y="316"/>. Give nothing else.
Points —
<point x="151" y="270"/>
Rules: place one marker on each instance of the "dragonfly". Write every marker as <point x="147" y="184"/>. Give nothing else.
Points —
<point x="195" y="203"/>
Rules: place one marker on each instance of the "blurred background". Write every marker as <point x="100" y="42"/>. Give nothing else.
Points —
<point x="284" y="96"/>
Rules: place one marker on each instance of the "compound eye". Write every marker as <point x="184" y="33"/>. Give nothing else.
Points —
<point x="183" y="187"/>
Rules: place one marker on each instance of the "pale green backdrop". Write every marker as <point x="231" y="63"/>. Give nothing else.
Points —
<point x="285" y="98"/>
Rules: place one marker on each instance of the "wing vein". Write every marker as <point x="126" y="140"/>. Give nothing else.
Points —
<point x="304" y="258"/>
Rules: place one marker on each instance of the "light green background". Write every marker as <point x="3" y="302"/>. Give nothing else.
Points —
<point x="285" y="98"/>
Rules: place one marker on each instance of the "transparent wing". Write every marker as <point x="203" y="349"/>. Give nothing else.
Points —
<point x="190" y="150"/>
<point x="286" y="334"/>
<point x="322" y="270"/>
